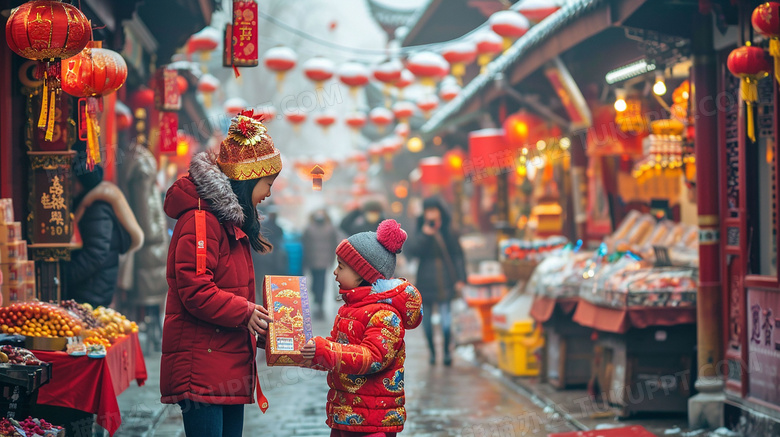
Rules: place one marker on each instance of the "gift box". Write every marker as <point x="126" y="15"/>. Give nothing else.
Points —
<point x="6" y="211"/>
<point x="13" y="252"/>
<point x="14" y="273"/>
<point x="10" y="232"/>
<point x="287" y="301"/>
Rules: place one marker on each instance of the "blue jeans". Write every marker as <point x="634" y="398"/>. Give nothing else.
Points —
<point x="210" y="420"/>
<point x="443" y="308"/>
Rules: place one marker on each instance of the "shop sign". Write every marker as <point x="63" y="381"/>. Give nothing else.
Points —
<point x="50" y="220"/>
<point x="764" y="345"/>
<point x="569" y="95"/>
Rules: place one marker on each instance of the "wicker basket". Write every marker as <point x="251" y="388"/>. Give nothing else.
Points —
<point x="518" y="269"/>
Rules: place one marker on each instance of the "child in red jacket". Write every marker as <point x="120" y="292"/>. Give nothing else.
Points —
<point x="365" y="352"/>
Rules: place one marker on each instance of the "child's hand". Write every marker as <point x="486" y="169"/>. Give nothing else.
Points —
<point x="259" y="322"/>
<point x="309" y="350"/>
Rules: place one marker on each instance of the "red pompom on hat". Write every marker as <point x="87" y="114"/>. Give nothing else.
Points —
<point x="390" y="235"/>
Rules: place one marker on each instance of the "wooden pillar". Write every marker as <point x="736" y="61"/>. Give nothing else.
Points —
<point x="579" y="184"/>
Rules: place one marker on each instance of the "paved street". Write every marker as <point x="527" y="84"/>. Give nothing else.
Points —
<point x="462" y="400"/>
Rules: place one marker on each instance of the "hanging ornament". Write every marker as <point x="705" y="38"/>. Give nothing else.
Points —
<point x="458" y="55"/>
<point x="167" y="101"/>
<point x="124" y="117"/>
<point x="207" y="85"/>
<point x="295" y="117"/>
<point x="318" y="70"/>
<point x="510" y="25"/>
<point x="750" y="65"/>
<point x="182" y="84"/>
<point x="523" y="129"/>
<point x="403" y="111"/>
<point x="268" y="112"/>
<point x="243" y="48"/>
<point x="428" y="67"/>
<point x="47" y="31"/>
<point x="316" y="177"/>
<point x="402" y="130"/>
<point x="280" y="60"/>
<point x="489" y="44"/>
<point x="766" y="21"/>
<point x="427" y="104"/>
<point x="325" y="120"/>
<point x="537" y="10"/>
<point x="375" y="152"/>
<point x="449" y="91"/>
<point x="356" y="121"/>
<point x="406" y="79"/>
<point x="389" y="147"/>
<point x="93" y="73"/>
<point x="203" y="42"/>
<point x="143" y="98"/>
<point x="381" y="117"/>
<point x="354" y="75"/>
<point x="388" y="73"/>
<point x="234" y="105"/>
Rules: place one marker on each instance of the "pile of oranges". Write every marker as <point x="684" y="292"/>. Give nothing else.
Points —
<point x="97" y="340"/>
<point x="38" y="319"/>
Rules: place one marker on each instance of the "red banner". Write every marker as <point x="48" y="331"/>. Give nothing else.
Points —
<point x="169" y="132"/>
<point x="245" y="51"/>
<point x="166" y="90"/>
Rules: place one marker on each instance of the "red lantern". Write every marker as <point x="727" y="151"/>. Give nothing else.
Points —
<point x="318" y="70"/>
<point x="143" y="98"/>
<point x="523" y="129"/>
<point x="325" y="120"/>
<point x="488" y="152"/>
<point x="449" y="91"/>
<point x="433" y="172"/>
<point x="124" y="117"/>
<point x="381" y="117"/>
<point x="203" y="42"/>
<point x="375" y="152"/>
<point x="538" y="10"/>
<point x="406" y="79"/>
<point x="356" y="121"/>
<point x="280" y="60"/>
<point x="510" y="25"/>
<point x="182" y="85"/>
<point x="429" y="67"/>
<point x="766" y="21"/>
<point x="458" y="55"/>
<point x="453" y="161"/>
<point x="403" y="110"/>
<point x="354" y="75"/>
<point x="47" y="31"/>
<point x="234" y="105"/>
<point x="428" y="104"/>
<point x="749" y="64"/>
<point x="207" y="85"/>
<point x="489" y="44"/>
<point x="388" y="73"/>
<point x="402" y="130"/>
<point x="269" y="113"/>
<point x="295" y="117"/>
<point x="93" y="73"/>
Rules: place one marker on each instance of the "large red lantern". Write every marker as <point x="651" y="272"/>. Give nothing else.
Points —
<point x="356" y="120"/>
<point x="381" y="117"/>
<point x="750" y="65"/>
<point x="318" y="70"/>
<point x="538" y="10"/>
<point x="429" y="67"/>
<point x="488" y="152"/>
<point x="207" y="84"/>
<point x="280" y="60"/>
<point x="766" y="21"/>
<point x="524" y="129"/>
<point x="325" y="120"/>
<point x="458" y="55"/>
<point x="510" y="25"/>
<point x="354" y="75"/>
<point x="204" y="42"/>
<point x="489" y="44"/>
<point x="433" y="172"/>
<point x="427" y="104"/>
<point x="93" y="73"/>
<point x="143" y="98"/>
<point x="388" y="72"/>
<point x="47" y="31"/>
<point x="403" y="110"/>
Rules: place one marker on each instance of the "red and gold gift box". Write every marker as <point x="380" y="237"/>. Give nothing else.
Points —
<point x="10" y="232"/>
<point x="287" y="300"/>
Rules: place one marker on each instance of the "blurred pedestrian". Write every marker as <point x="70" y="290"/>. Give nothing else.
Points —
<point x="212" y="323"/>
<point x="320" y="239"/>
<point x="441" y="273"/>
<point x="275" y="262"/>
<point x="365" y="219"/>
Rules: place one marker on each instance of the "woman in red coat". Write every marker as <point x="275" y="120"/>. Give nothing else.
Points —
<point x="211" y="320"/>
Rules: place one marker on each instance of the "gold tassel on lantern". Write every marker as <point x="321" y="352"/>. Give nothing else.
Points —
<point x="774" y="52"/>
<point x="93" y="131"/>
<point x="52" y="111"/>
<point x="749" y="93"/>
<point x="44" y="103"/>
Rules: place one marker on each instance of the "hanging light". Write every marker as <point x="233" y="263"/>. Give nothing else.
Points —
<point x="415" y="145"/>
<point x="659" y="88"/>
<point x="620" y="100"/>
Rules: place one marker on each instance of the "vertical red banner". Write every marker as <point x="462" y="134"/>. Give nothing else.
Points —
<point x="169" y="132"/>
<point x="245" y="51"/>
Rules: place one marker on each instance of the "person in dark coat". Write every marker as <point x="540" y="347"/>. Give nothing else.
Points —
<point x="275" y="262"/>
<point x="108" y="228"/>
<point x="212" y="323"/>
<point x="441" y="273"/>
<point x="364" y="219"/>
<point x="320" y="239"/>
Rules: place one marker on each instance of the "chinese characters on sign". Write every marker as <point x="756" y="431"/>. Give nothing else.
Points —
<point x="244" y="30"/>
<point x="54" y="201"/>
<point x="764" y="345"/>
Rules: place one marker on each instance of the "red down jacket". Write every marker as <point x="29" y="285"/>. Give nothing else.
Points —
<point x="365" y="355"/>
<point x="208" y="354"/>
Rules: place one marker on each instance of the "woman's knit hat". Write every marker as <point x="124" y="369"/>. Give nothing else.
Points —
<point x="248" y="152"/>
<point x="372" y="254"/>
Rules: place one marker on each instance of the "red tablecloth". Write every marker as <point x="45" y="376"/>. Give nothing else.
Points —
<point x="629" y="431"/>
<point x="92" y="385"/>
<point x="620" y="320"/>
<point x="544" y="307"/>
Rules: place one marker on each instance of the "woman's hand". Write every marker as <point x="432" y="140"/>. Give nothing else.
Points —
<point x="259" y="322"/>
<point x="309" y="350"/>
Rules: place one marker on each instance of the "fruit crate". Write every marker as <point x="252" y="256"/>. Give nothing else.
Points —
<point x="19" y="388"/>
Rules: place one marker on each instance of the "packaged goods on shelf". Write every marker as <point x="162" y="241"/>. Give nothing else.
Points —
<point x="10" y="232"/>
<point x="13" y="252"/>
<point x="6" y="211"/>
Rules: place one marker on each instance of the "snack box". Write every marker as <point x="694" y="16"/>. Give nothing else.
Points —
<point x="287" y="300"/>
<point x="6" y="211"/>
<point x="14" y="273"/>
<point x="10" y="232"/>
<point x="12" y="252"/>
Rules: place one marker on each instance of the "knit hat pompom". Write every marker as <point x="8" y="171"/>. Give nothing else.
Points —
<point x="390" y="235"/>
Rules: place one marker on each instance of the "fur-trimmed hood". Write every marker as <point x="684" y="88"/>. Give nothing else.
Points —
<point x="206" y="183"/>
<point x="111" y="194"/>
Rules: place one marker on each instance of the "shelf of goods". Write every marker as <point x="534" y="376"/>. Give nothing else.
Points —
<point x="519" y="258"/>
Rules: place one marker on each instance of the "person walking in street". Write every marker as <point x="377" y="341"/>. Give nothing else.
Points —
<point x="320" y="239"/>
<point x="441" y="272"/>
<point x="363" y="219"/>
<point x="274" y="263"/>
<point x="211" y="320"/>
<point x="365" y="352"/>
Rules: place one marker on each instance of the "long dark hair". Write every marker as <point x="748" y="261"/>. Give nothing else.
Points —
<point x="438" y="203"/>
<point x="251" y="226"/>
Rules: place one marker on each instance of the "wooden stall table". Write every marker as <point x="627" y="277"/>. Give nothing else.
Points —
<point x="643" y="356"/>
<point x="569" y="347"/>
<point x="91" y="385"/>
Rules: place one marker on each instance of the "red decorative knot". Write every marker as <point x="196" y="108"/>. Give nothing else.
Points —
<point x="260" y="116"/>
<point x="390" y="235"/>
